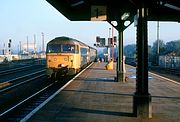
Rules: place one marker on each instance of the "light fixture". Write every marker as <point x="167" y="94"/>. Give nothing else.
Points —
<point x="126" y="23"/>
<point x="79" y="2"/>
<point x="172" y="6"/>
<point x="114" y="23"/>
<point x="125" y="16"/>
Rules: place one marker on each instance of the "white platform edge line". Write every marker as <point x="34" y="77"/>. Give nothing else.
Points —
<point x="51" y="97"/>
<point x="165" y="78"/>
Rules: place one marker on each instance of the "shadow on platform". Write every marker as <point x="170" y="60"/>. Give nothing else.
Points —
<point x="97" y="68"/>
<point x="96" y="79"/>
<point x="93" y="111"/>
<point x="166" y="97"/>
<point x="97" y="92"/>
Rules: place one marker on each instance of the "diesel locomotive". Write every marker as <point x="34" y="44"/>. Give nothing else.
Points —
<point x="67" y="56"/>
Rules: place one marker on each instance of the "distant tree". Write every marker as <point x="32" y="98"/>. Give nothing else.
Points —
<point x="152" y="51"/>
<point x="173" y="46"/>
<point x="161" y="47"/>
<point x="151" y="56"/>
<point x="130" y="50"/>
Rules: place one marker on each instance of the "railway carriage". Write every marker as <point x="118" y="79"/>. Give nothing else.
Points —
<point x="66" y="56"/>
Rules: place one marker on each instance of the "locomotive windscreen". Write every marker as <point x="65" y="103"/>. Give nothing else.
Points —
<point x="53" y="48"/>
<point x="68" y="48"/>
<point x="61" y="48"/>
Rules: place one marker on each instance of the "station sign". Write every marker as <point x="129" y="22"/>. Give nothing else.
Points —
<point x="98" y="13"/>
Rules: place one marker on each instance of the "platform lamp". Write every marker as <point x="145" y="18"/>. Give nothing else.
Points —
<point x="157" y="55"/>
<point x="42" y="43"/>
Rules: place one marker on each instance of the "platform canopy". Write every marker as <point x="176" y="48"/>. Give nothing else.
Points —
<point x="117" y="10"/>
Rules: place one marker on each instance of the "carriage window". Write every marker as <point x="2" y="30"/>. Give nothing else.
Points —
<point x="68" y="48"/>
<point x="84" y="51"/>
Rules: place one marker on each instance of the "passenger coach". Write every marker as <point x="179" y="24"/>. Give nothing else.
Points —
<point x="67" y="56"/>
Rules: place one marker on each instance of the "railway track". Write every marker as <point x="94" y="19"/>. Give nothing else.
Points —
<point x="13" y="80"/>
<point x="25" y="109"/>
<point x="10" y="71"/>
<point x="17" y="89"/>
<point x="20" y="110"/>
<point x="7" y="85"/>
<point x="14" y="77"/>
<point x="170" y="73"/>
<point x="173" y="74"/>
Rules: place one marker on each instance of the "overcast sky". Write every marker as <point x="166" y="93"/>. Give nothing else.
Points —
<point x="20" y="19"/>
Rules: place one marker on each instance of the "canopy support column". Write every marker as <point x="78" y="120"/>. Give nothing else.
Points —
<point x="120" y="63"/>
<point x="142" y="99"/>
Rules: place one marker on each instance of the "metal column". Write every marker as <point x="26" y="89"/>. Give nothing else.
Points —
<point x="142" y="99"/>
<point x="120" y="63"/>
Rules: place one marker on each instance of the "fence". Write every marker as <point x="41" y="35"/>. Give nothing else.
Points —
<point x="169" y="61"/>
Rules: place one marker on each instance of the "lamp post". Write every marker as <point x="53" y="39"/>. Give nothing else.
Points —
<point x="27" y="45"/>
<point x="112" y="44"/>
<point x="20" y="48"/>
<point x="42" y="43"/>
<point x="34" y="44"/>
<point x="157" y="56"/>
<point x="109" y="44"/>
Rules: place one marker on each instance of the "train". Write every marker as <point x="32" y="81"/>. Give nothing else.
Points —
<point x="67" y="56"/>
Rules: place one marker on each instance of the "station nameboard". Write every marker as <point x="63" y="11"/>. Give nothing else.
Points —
<point x="98" y="13"/>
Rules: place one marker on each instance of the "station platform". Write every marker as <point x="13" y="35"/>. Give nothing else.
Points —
<point x="94" y="96"/>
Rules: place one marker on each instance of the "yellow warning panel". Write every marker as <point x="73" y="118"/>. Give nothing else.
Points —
<point x="109" y="65"/>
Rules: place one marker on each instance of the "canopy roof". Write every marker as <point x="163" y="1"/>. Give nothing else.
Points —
<point x="117" y="10"/>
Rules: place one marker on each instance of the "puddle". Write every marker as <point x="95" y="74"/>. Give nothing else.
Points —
<point x="105" y="79"/>
<point x="132" y="70"/>
<point x="150" y="77"/>
<point x="134" y="77"/>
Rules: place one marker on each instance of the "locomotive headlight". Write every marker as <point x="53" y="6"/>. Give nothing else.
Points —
<point x="62" y="65"/>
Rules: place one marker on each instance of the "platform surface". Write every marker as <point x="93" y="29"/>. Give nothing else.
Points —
<point x="94" y="96"/>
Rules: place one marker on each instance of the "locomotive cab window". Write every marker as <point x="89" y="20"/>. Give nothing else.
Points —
<point x="62" y="48"/>
<point x="68" y="48"/>
<point x="53" y="48"/>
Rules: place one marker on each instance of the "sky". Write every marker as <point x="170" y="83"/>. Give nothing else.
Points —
<point x="20" y="19"/>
